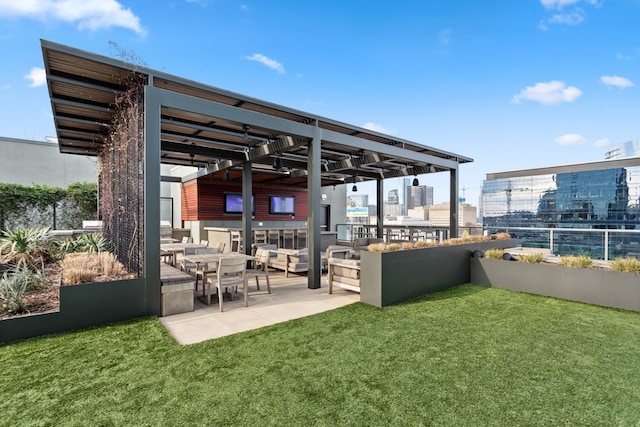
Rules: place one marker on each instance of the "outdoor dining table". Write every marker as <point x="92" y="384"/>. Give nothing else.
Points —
<point x="174" y="248"/>
<point x="211" y="260"/>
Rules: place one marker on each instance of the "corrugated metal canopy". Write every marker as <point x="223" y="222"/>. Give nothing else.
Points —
<point x="83" y="87"/>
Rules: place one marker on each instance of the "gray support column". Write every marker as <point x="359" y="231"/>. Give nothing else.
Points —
<point x="313" y="191"/>
<point x="453" y="197"/>
<point x="380" y="208"/>
<point x="247" y="207"/>
<point x="152" y="201"/>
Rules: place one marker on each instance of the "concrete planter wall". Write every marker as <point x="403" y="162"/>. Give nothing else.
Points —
<point x="593" y="286"/>
<point x="391" y="277"/>
<point x="82" y="306"/>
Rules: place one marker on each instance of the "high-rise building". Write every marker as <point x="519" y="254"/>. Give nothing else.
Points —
<point x="626" y="149"/>
<point x="421" y="195"/>
<point x="595" y="195"/>
<point x="403" y="183"/>
<point x="439" y="215"/>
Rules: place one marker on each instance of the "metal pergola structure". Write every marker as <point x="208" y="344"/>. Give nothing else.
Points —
<point x="189" y="123"/>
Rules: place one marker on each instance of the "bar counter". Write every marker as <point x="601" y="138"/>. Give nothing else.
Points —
<point x="223" y="235"/>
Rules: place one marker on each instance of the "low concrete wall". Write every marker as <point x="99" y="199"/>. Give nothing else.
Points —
<point x="592" y="286"/>
<point x="82" y="306"/>
<point x="391" y="277"/>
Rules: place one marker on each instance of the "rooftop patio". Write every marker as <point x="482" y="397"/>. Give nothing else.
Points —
<point x="289" y="299"/>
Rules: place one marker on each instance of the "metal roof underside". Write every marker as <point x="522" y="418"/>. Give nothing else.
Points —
<point x="83" y="87"/>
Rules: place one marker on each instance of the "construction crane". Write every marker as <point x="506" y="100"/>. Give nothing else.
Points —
<point x="462" y="199"/>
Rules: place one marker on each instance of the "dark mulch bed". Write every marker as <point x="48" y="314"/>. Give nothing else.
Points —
<point x="47" y="297"/>
<point x="44" y="299"/>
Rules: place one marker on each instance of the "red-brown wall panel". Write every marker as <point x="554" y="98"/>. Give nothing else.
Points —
<point x="204" y="200"/>
<point x="189" y="201"/>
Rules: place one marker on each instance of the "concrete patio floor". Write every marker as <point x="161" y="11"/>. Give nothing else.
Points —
<point x="289" y="299"/>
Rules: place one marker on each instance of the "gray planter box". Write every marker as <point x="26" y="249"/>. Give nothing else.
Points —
<point x="82" y="306"/>
<point x="592" y="286"/>
<point x="391" y="277"/>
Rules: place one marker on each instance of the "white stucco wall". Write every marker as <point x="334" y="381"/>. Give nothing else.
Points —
<point x="29" y="162"/>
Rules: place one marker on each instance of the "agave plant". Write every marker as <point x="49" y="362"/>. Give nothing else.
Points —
<point x="94" y="242"/>
<point x="31" y="246"/>
<point x="13" y="285"/>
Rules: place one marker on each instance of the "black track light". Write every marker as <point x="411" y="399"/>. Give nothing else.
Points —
<point x="277" y="163"/>
<point x="226" y="176"/>
<point x="416" y="182"/>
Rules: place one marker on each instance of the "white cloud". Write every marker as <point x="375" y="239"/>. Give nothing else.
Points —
<point x="271" y="63"/>
<point x="622" y="57"/>
<point x="559" y="4"/>
<point x="570" y="139"/>
<point x="375" y="127"/>
<point x="553" y="92"/>
<point x="5" y="86"/>
<point x="620" y="82"/>
<point x="602" y="142"/>
<point x="573" y="18"/>
<point x="88" y="14"/>
<point x="37" y="76"/>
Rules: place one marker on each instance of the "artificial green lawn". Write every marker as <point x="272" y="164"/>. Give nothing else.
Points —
<point x="468" y="356"/>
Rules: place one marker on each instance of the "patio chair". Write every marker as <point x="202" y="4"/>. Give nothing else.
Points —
<point x="185" y="239"/>
<point x="261" y="269"/>
<point x="301" y="238"/>
<point x="231" y="272"/>
<point x="221" y="247"/>
<point x="274" y="237"/>
<point x="203" y="268"/>
<point x="236" y="241"/>
<point x="185" y="265"/>
<point x="287" y="239"/>
<point x="260" y="236"/>
<point x="204" y="242"/>
<point x="166" y="256"/>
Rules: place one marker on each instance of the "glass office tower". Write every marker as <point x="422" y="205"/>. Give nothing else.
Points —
<point x="598" y="195"/>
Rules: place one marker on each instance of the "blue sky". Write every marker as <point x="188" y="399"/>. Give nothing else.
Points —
<point x="512" y="84"/>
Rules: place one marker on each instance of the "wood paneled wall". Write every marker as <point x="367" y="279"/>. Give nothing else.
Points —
<point x="203" y="199"/>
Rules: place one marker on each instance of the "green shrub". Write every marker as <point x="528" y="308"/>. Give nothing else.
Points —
<point x="531" y="258"/>
<point x="494" y="253"/>
<point x="579" y="261"/>
<point x="630" y="264"/>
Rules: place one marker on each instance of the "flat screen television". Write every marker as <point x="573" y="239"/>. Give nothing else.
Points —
<point x="282" y="205"/>
<point x="233" y="203"/>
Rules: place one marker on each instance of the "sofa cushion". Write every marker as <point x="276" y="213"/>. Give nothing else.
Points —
<point x="346" y="280"/>
<point x="348" y="261"/>
<point x="362" y="241"/>
<point x="344" y="271"/>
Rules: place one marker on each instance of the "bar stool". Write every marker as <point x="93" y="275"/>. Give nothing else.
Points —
<point x="274" y="237"/>
<point x="301" y="238"/>
<point x="287" y="236"/>
<point x="236" y="241"/>
<point x="260" y="236"/>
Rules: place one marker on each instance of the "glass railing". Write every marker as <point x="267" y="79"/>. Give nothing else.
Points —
<point x="391" y="233"/>
<point x="598" y="244"/>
